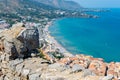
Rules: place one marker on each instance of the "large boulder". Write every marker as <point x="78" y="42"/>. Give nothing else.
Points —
<point x="19" y="41"/>
<point x="87" y="72"/>
<point x="30" y="37"/>
<point x="77" y="68"/>
<point x="98" y="67"/>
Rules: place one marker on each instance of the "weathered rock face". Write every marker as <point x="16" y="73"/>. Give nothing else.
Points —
<point x="77" y="68"/>
<point x="29" y="37"/>
<point x="98" y="67"/>
<point x="19" y="41"/>
<point x="81" y="60"/>
<point x="114" y="69"/>
<point x="110" y="77"/>
<point x="20" y="69"/>
<point x="42" y="36"/>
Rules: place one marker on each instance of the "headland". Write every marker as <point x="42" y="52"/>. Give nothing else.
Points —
<point x="21" y="59"/>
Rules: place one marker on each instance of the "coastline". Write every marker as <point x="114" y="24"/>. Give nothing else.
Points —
<point x="97" y="66"/>
<point x="57" y="45"/>
<point x="75" y="67"/>
<point x="53" y="41"/>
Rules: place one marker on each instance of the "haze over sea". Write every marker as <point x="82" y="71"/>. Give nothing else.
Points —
<point x="98" y="37"/>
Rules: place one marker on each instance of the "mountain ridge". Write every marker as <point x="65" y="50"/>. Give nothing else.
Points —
<point x="62" y="4"/>
<point x="13" y="5"/>
<point x="16" y="5"/>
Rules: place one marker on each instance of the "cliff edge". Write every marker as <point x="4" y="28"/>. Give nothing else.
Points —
<point x="21" y="58"/>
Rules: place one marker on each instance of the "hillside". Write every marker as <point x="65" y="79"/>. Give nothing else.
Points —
<point x="9" y="5"/>
<point x="18" y="10"/>
<point x="13" y="5"/>
<point x="62" y="4"/>
<point x="33" y="11"/>
<point x="16" y="5"/>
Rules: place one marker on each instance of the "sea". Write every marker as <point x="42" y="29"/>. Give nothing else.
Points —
<point x="97" y="37"/>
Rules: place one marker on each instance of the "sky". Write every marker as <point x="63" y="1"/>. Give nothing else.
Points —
<point x="99" y="3"/>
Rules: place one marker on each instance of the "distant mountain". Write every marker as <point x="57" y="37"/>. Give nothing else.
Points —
<point x="18" y="5"/>
<point x="27" y="10"/>
<point x="63" y="4"/>
<point x="32" y="10"/>
<point x="9" y="5"/>
<point x="13" y="5"/>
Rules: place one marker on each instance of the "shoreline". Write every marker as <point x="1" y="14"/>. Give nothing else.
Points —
<point x="62" y="49"/>
<point x="54" y="42"/>
<point x="57" y="45"/>
<point x="78" y="66"/>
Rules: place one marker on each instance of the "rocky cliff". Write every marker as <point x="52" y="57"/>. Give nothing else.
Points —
<point x="19" y="41"/>
<point x="17" y="62"/>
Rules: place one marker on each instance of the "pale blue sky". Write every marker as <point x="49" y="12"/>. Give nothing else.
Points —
<point x="99" y="3"/>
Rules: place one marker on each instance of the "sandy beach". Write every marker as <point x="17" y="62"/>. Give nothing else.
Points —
<point x="54" y="42"/>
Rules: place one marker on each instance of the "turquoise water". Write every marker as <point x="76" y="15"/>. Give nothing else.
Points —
<point x="98" y="37"/>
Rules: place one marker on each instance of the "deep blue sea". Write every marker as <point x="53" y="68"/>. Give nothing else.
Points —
<point x="98" y="37"/>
